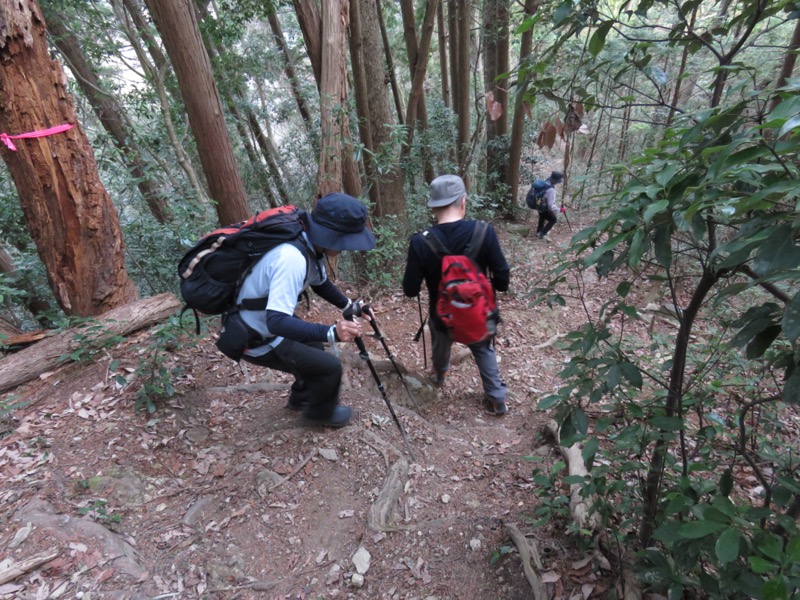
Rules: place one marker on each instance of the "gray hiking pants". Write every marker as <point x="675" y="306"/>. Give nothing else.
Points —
<point x="483" y="353"/>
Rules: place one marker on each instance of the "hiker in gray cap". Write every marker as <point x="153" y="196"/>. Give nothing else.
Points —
<point x="453" y="235"/>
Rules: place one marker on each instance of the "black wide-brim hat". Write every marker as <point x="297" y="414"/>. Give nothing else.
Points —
<point x="339" y="222"/>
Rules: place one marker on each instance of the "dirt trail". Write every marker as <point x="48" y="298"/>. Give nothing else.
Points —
<point x="224" y="493"/>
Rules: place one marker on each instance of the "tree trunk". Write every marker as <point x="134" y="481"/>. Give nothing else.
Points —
<point x="110" y="114"/>
<point x="463" y="105"/>
<point x="360" y="85"/>
<point x="518" y="122"/>
<point x="418" y="65"/>
<point x="314" y="33"/>
<point x="495" y="63"/>
<point x="452" y="38"/>
<point x="270" y="154"/>
<point x="332" y="96"/>
<point x="310" y="22"/>
<point x="288" y="69"/>
<point x="155" y="66"/>
<point x="787" y="67"/>
<point x="387" y="48"/>
<point x="55" y="350"/>
<point x="68" y="211"/>
<point x="442" y="32"/>
<point x="390" y="183"/>
<point x="677" y="93"/>
<point x="177" y="22"/>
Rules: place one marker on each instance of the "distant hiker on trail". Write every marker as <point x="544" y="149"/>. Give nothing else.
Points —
<point x="337" y="223"/>
<point x="542" y="198"/>
<point x="468" y="315"/>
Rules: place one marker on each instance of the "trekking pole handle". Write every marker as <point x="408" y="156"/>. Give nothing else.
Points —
<point x="356" y="309"/>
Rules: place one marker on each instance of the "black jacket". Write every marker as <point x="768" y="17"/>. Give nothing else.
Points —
<point x="422" y="264"/>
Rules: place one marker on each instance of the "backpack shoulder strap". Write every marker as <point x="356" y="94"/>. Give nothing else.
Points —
<point x="476" y="241"/>
<point x="434" y="243"/>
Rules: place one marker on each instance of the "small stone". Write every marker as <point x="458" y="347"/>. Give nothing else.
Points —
<point x="445" y="499"/>
<point x="21" y="536"/>
<point x="357" y="580"/>
<point x="361" y="560"/>
<point x="329" y="454"/>
<point x="475" y="544"/>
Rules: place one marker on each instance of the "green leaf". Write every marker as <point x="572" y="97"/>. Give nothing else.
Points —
<point x="791" y="389"/>
<point x="548" y="402"/>
<point x="695" y="530"/>
<point x="666" y="423"/>
<point x="791" y="319"/>
<point x="580" y="420"/>
<point x="590" y="449"/>
<point x="662" y="246"/>
<point x="779" y="253"/>
<point x="793" y="550"/>
<point x="636" y="250"/>
<point x="761" y="565"/>
<point x="726" y="483"/>
<point x="775" y="589"/>
<point x="727" y="546"/>
<point x="653" y="209"/>
<point x="598" y="39"/>
<point x="632" y="374"/>
<point x="789" y="125"/>
<point x="759" y="344"/>
<point x="562" y="12"/>
<point x="667" y="173"/>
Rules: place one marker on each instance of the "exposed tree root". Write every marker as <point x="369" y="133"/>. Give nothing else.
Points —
<point x="578" y="505"/>
<point x="381" y="511"/>
<point x="527" y="552"/>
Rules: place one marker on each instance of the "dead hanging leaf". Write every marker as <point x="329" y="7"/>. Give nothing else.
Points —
<point x="579" y="109"/>
<point x="493" y="107"/>
<point x="559" y="128"/>
<point x="547" y="135"/>
<point x="572" y="121"/>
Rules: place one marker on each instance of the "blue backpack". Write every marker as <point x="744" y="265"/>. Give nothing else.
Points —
<point x="535" y="198"/>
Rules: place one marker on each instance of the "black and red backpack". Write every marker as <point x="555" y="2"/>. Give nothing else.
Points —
<point x="466" y="302"/>
<point x="213" y="270"/>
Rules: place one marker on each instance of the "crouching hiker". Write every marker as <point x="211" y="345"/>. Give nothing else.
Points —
<point x="453" y="258"/>
<point x="290" y="344"/>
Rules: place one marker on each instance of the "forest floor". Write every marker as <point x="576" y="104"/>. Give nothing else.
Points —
<point x="224" y="493"/>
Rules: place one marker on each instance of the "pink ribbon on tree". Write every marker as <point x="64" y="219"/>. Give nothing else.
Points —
<point x="6" y="139"/>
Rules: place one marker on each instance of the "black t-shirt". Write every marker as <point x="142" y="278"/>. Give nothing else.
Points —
<point x="423" y="265"/>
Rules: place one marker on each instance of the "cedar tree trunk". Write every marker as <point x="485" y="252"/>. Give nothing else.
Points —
<point x="69" y="213"/>
<point x="176" y="20"/>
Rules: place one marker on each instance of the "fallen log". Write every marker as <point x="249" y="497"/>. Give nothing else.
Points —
<point x="54" y="351"/>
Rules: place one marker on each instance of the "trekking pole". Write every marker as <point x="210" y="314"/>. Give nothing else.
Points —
<point x="421" y="332"/>
<point x="362" y="352"/>
<point x="564" y="212"/>
<point x="365" y="308"/>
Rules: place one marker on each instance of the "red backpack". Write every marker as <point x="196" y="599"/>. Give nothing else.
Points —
<point x="466" y="301"/>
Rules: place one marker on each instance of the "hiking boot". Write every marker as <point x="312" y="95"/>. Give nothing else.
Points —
<point x="296" y="404"/>
<point x="438" y="379"/>
<point x="340" y="417"/>
<point x="498" y="408"/>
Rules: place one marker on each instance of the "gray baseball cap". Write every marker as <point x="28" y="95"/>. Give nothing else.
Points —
<point x="445" y="190"/>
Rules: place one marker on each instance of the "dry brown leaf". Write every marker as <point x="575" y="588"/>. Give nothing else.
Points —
<point x="493" y="108"/>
